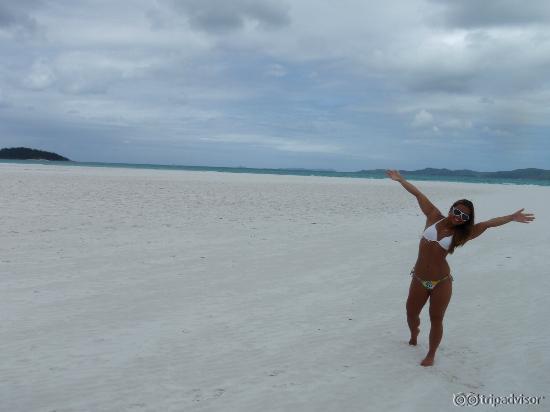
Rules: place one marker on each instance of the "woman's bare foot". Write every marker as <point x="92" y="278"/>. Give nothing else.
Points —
<point x="428" y="360"/>
<point x="413" y="337"/>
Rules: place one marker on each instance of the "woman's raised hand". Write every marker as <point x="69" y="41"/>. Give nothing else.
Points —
<point x="521" y="217"/>
<point x="394" y="175"/>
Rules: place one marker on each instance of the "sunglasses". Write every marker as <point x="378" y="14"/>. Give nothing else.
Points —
<point x="457" y="212"/>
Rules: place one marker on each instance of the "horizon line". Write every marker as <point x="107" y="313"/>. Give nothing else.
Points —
<point x="322" y="170"/>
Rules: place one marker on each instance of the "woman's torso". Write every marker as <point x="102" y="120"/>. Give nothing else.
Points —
<point x="432" y="263"/>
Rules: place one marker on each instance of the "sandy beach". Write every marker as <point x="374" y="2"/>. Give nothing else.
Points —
<point x="155" y="290"/>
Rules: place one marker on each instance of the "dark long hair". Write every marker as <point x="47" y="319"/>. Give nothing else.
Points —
<point x="463" y="231"/>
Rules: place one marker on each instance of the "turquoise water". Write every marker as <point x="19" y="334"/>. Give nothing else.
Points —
<point x="358" y="175"/>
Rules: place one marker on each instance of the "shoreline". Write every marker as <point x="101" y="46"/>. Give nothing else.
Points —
<point x="282" y="172"/>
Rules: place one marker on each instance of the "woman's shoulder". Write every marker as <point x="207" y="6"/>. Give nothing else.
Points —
<point x="432" y="219"/>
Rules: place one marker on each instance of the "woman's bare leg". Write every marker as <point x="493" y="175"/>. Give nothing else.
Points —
<point x="418" y="295"/>
<point x="439" y="300"/>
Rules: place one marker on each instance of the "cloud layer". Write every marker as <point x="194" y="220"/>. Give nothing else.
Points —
<point x="348" y="85"/>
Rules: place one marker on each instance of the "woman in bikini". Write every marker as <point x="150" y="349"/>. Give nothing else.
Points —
<point x="431" y="275"/>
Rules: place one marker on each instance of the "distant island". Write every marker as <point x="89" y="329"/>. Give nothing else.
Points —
<point x="24" y="153"/>
<point x="530" y="173"/>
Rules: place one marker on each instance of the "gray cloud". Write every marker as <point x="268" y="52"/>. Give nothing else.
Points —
<point x="493" y="13"/>
<point x="441" y="81"/>
<point x="40" y="76"/>
<point x="16" y="17"/>
<point x="218" y="16"/>
<point x="3" y="101"/>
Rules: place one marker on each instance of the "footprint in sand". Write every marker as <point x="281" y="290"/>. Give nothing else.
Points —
<point x="467" y="381"/>
<point x="218" y="393"/>
<point x="198" y="395"/>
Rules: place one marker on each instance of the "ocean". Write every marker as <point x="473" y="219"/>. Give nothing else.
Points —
<point x="296" y="172"/>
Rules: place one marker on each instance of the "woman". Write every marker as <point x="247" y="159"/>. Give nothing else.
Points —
<point x="431" y="275"/>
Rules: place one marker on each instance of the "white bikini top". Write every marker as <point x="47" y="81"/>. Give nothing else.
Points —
<point x="431" y="234"/>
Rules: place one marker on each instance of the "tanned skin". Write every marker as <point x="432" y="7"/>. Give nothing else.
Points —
<point x="432" y="264"/>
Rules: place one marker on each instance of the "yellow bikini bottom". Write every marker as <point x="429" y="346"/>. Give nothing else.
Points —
<point x="430" y="284"/>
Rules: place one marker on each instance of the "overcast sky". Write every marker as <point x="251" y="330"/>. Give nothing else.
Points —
<point x="347" y="84"/>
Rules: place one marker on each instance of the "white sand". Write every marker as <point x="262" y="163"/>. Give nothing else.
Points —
<point x="142" y="290"/>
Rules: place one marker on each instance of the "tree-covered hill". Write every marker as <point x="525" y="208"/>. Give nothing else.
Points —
<point x="24" y="153"/>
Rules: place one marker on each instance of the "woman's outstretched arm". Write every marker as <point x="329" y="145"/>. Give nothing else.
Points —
<point x="518" y="216"/>
<point x="427" y="207"/>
